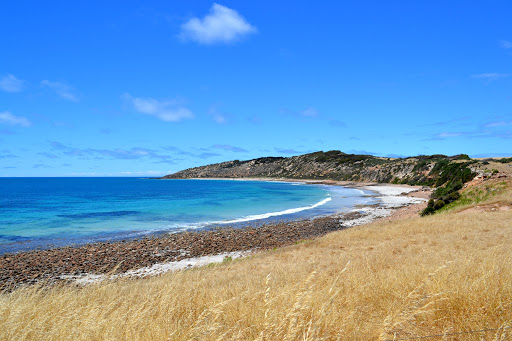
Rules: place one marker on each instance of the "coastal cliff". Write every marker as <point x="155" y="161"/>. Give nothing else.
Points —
<point x="334" y="165"/>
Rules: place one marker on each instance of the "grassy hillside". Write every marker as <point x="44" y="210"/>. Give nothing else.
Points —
<point x="446" y="273"/>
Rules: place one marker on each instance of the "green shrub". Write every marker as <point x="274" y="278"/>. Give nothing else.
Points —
<point x="451" y="197"/>
<point x="439" y="204"/>
<point x="339" y="157"/>
<point x="461" y="157"/>
<point x="427" y="211"/>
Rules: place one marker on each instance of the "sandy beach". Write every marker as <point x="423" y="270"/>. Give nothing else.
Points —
<point x="158" y="254"/>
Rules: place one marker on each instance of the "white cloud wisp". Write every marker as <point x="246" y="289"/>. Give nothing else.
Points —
<point x="63" y="90"/>
<point x="491" y="76"/>
<point x="10" y="83"/>
<point x="506" y="44"/>
<point x="168" y="111"/>
<point x="8" y="118"/>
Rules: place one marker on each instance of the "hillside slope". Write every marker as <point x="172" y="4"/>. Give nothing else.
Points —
<point x="332" y="165"/>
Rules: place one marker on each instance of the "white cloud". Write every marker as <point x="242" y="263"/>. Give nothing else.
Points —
<point x="490" y="76"/>
<point x="309" y="112"/>
<point x="506" y="44"/>
<point x="447" y="134"/>
<point x="8" y="118"/>
<point x="290" y="151"/>
<point x="220" y="25"/>
<point x="62" y="89"/>
<point x="168" y="111"/>
<point x="498" y="124"/>
<point x="217" y="116"/>
<point x="10" y="83"/>
<point x="230" y="148"/>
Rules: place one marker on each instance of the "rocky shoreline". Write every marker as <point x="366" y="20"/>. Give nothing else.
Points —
<point x="55" y="265"/>
<point x="100" y="258"/>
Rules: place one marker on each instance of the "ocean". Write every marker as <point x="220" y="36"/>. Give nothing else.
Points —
<point x="47" y="212"/>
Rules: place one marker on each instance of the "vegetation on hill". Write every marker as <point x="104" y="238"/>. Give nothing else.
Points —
<point x="339" y="157"/>
<point x="448" y="178"/>
<point x="475" y="195"/>
<point x="505" y="160"/>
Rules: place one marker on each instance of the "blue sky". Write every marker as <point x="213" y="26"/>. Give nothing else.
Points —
<point x="142" y="88"/>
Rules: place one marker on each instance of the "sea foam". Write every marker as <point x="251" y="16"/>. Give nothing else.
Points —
<point x="273" y="214"/>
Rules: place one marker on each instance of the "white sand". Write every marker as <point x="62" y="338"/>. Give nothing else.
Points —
<point x="159" y="268"/>
<point x="391" y="198"/>
<point x="390" y="190"/>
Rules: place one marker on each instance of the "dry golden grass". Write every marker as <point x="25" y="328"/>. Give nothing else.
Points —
<point x="446" y="273"/>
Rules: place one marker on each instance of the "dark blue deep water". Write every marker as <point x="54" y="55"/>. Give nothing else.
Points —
<point x="43" y="212"/>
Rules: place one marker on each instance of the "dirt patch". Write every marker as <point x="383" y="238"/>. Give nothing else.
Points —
<point x="488" y="208"/>
<point x="411" y="211"/>
<point x="423" y="193"/>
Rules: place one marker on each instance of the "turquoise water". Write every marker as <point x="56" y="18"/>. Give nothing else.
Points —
<point x="41" y="212"/>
